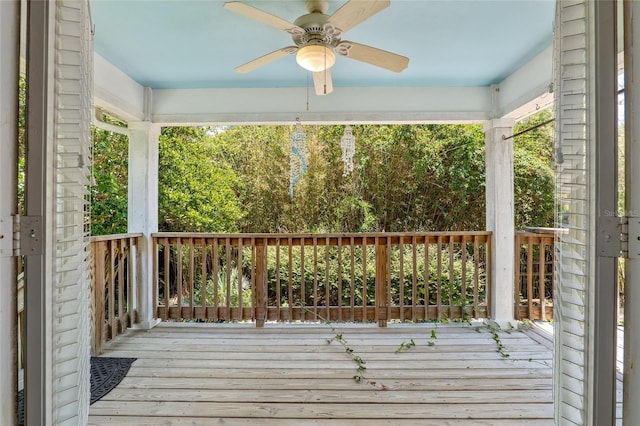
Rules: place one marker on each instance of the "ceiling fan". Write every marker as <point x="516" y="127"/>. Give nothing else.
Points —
<point x="318" y="37"/>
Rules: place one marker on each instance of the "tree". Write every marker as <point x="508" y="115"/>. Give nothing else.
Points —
<point x="109" y="172"/>
<point x="196" y="188"/>
<point x="534" y="177"/>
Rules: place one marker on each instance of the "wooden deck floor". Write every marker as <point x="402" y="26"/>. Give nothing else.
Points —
<point x="290" y="375"/>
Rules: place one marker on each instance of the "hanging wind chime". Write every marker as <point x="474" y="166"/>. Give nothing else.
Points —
<point x="348" y="146"/>
<point x="297" y="156"/>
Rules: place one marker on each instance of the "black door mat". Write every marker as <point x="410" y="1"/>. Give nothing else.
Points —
<point x="106" y="373"/>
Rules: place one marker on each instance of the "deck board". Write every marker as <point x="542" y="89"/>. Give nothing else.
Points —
<point x="289" y="374"/>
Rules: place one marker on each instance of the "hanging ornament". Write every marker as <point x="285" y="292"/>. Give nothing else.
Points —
<point x="348" y="145"/>
<point x="297" y="156"/>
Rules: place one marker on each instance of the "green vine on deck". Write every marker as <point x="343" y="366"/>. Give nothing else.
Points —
<point x="494" y="328"/>
<point x="338" y="337"/>
<point x="405" y="346"/>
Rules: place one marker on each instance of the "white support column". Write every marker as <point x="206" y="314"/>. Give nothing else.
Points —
<point x="631" y="388"/>
<point x="9" y="60"/>
<point x="143" y="208"/>
<point x="500" y="217"/>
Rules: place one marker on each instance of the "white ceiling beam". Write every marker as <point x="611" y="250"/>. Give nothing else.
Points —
<point x="116" y="92"/>
<point x="345" y="105"/>
<point x="528" y="89"/>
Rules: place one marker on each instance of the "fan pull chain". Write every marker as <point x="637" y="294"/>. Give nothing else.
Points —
<point x="307" y="92"/>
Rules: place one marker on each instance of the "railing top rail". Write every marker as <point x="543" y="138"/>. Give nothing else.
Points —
<point x="318" y="235"/>
<point x="543" y="230"/>
<point x="112" y="237"/>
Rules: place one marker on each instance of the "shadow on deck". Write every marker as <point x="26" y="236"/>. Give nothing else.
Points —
<point x="290" y="375"/>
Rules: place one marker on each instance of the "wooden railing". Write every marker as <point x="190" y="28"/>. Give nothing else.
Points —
<point x="534" y="275"/>
<point x="115" y="266"/>
<point x="338" y="277"/>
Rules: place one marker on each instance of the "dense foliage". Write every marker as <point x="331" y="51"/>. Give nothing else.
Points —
<point x="406" y="177"/>
<point x="109" y="176"/>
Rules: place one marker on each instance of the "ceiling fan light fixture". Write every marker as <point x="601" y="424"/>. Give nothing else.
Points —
<point x="315" y="57"/>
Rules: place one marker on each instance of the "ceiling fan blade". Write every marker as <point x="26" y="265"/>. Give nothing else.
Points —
<point x="373" y="56"/>
<point x="259" y="15"/>
<point x="264" y="60"/>
<point x="354" y="12"/>
<point x="322" y="82"/>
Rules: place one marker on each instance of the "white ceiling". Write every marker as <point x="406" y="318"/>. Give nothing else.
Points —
<point x="197" y="44"/>
<point x="184" y="54"/>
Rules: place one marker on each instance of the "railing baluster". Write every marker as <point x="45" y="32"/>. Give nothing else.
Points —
<point x="98" y="286"/>
<point x="382" y="265"/>
<point x="130" y="277"/>
<point x="191" y="281"/>
<point x="203" y="278"/>
<point x="476" y="278"/>
<point x="240" y="280"/>
<point x="156" y="278"/>
<point x="111" y="291"/>
<point x="339" y="278"/>
<point x="261" y="282"/>
<point x="315" y="277"/>
<point x="451" y="277"/>
<point x="352" y="295"/>
<point x="529" y="276"/>
<point x="227" y="266"/>
<point x="518" y="276"/>
<point x="167" y="276"/>
<point x="541" y="277"/>
<point x="179" y="278"/>
<point x="278" y="290"/>
<point x="303" y="283"/>
<point x="439" y="279"/>
<point x="216" y="278"/>
<point x="120" y="256"/>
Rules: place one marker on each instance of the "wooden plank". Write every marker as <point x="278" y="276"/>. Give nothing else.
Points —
<point x="520" y="385"/>
<point x="373" y="366"/>
<point x="369" y="395"/>
<point x="261" y="353"/>
<point x="380" y="410"/>
<point x="200" y="421"/>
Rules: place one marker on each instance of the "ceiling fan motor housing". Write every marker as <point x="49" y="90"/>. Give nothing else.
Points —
<point x="316" y="30"/>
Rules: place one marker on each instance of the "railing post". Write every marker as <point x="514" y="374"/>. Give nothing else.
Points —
<point x="382" y="268"/>
<point x="261" y="282"/>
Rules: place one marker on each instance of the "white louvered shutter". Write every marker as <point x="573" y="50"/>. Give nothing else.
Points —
<point x="73" y="74"/>
<point x="574" y="271"/>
